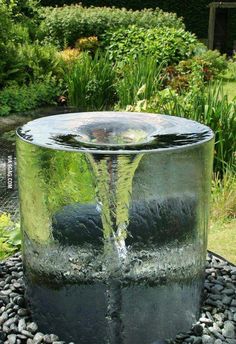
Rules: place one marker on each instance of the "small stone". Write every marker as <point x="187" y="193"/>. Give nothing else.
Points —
<point x="6" y="292"/>
<point x="207" y="339"/>
<point x="231" y="341"/>
<point x="10" y="321"/>
<point x="21" y="336"/>
<point x="21" y="325"/>
<point x="30" y="341"/>
<point x="20" y="301"/>
<point x="216" y="333"/>
<point x="215" y="297"/>
<point x="4" y="298"/>
<point x="32" y="327"/>
<point x="47" y="338"/>
<point x="217" y="289"/>
<point x="228" y="291"/>
<point x="11" y="338"/>
<point x="23" y="312"/>
<point x="38" y="338"/>
<point x="3" y="318"/>
<point x="226" y="300"/>
<point x="197" y="330"/>
<point x="197" y="340"/>
<point x="228" y="330"/>
<point x="50" y="338"/>
<point x="205" y="321"/>
<point x="218" y="341"/>
<point x="27" y="334"/>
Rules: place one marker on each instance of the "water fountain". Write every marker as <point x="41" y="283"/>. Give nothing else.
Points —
<point x="114" y="210"/>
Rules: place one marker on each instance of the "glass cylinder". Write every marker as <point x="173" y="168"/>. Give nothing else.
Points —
<point x="114" y="211"/>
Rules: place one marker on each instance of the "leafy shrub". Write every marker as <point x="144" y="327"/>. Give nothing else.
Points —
<point x="22" y="9"/>
<point x="196" y="71"/>
<point x="17" y="98"/>
<point x="69" y="55"/>
<point x="64" y="25"/>
<point x="209" y="106"/>
<point x="90" y="82"/>
<point x="38" y="61"/>
<point x="24" y="12"/>
<point x="8" y="51"/>
<point x="90" y="44"/>
<point x="140" y="79"/>
<point x="168" y="45"/>
<point x="10" y="236"/>
<point x="213" y="60"/>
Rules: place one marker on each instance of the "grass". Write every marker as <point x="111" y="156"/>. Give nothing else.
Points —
<point x="140" y="79"/>
<point x="90" y="83"/>
<point x="230" y="89"/>
<point x="223" y="240"/>
<point x="222" y="231"/>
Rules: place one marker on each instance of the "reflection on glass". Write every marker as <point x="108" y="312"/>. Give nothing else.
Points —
<point x="114" y="218"/>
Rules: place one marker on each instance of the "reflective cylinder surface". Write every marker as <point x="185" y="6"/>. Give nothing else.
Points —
<point x="114" y="212"/>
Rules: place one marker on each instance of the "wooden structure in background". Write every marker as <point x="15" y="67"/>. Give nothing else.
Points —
<point x="212" y="19"/>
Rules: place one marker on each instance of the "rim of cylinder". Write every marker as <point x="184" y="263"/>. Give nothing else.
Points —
<point x="97" y="148"/>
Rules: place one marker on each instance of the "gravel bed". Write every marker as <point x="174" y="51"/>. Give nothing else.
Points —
<point x="217" y="323"/>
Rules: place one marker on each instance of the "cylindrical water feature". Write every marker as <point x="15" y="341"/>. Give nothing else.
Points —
<point x="114" y="210"/>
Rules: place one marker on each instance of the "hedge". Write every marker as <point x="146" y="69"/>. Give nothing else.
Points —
<point x="195" y="13"/>
<point x="65" y="25"/>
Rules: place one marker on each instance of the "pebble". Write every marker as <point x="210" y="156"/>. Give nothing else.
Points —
<point x="21" y="325"/>
<point x="228" y="330"/>
<point x="197" y="330"/>
<point x="216" y="324"/>
<point x="38" y="338"/>
<point x="207" y="339"/>
<point x="32" y="327"/>
<point x="218" y="341"/>
<point x="11" y="338"/>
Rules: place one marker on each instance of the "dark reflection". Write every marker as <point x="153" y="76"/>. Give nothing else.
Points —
<point x="156" y="141"/>
<point x="25" y="134"/>
<point x="152" y="222"/>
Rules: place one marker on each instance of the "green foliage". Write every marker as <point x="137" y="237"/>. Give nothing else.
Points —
<point x="64" y="25"/>
<point x="89" y="44"/>
<point x="37" y="61"/>
<point x="209" y="106"/>
<point x="90" y="82"/>
<point x="195" y="14"/>
<point x="216" y="62"/>
<point x="31" y="62"/>
<point x="223" y="197"/>
<point x="21" y="9"/>
<point x="10" y="236"/>
<point x="8" y="51"/>
<point x="22" y="61"/>
<point x="67" y="179"/>
<point x="24" y="13"/>
<point x="169" y="45"/>
<point x="139" y="79"/>
<point x="17" y="98"/>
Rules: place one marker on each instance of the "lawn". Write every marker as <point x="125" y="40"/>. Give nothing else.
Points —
<point x="230" y="89"/>
<point x="222" y="240"/>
